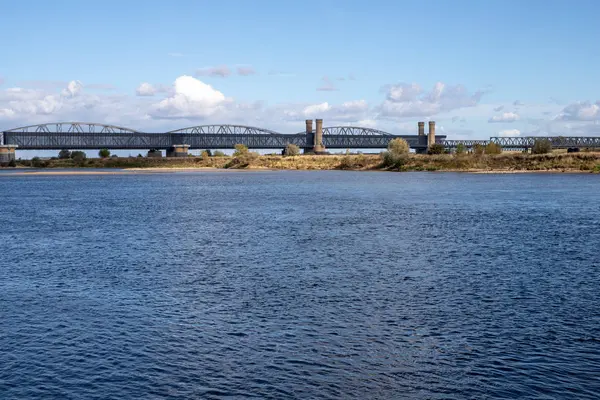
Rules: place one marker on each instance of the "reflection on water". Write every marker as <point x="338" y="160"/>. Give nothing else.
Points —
<point x="300" y="284"/>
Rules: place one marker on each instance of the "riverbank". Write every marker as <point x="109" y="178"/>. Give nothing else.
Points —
<point x="502" y="163"/>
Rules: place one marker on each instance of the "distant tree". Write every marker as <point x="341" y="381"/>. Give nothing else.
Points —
<point x="291" y="150"/>
<point x="493" y="148"/>
<point x="436" y="148"/>
<point x="205" y="155"/>
<point x="104" y="153"/>
<point x="209" y="152"/>
<point x="240" y="149"/>
<point x="37" y="162"/>
<point x="140" y="156"/>
<point x="64" y="154"/>
<point x="78" y="155"/>
<point x="397" y="153"/>
<point x="219" y="153"/>
<point x="12" y="163"/>
<point x="460" y="148"/>
<point x="398" y="146"/>
<point x="478" y="149"/>
<point x="541" y="146"/>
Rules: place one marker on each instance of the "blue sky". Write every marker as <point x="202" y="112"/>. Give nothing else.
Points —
<point x="479" y="68"/>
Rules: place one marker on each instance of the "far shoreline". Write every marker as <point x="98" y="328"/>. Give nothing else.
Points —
<point x="504" y="163"/>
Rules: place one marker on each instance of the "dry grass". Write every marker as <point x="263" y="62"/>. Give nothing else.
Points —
<point x="505" y="162"/>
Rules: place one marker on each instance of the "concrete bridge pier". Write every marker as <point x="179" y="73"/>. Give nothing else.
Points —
<point x="421" y="128"/>
<point x="310" y="136"/>
<point x="178" y="150"/>
<point x="431" y="135"/>
<point x="7" y="154"/>
<point x="314" y="139"/>
<point x="318" y="146"/>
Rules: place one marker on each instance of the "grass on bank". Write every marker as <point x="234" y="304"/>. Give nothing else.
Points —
<point x="409" y="162"/>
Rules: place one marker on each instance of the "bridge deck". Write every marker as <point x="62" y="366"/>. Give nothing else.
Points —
<point x="138" y="140"/>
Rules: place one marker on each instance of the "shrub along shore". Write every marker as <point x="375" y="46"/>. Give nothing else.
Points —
<point x="397" y="157"/>
<point x="467" y="162"/>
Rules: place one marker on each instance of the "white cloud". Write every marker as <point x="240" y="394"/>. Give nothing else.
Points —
<point x="245" y="71"/>
<point x="367" y="123"/>
<point x="100" y="86"/>
<point x="326" y="85"/>
<point x="145" y="89"/>
<point x="192" y="99"/>
<point x="223" y="71"/>
<point x="408" y="100"/>
<point x="402" y="92"/>
<point x="505" y="117"/>
<point x="581" y="111"/>
<point x="314" y="110"/>
<point x="73" y="89"/>
<point x="509" y="133"/>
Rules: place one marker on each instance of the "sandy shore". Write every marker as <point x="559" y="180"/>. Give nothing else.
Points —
<point x="126" y="171"/>
<point x="134" y="171"/>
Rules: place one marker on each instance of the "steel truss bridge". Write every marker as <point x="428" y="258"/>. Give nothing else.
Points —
<point x="89" y="136"/>
<point x="527" y="142"/>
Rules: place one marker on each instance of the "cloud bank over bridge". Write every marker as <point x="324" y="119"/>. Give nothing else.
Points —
<point x="192" y="100"/>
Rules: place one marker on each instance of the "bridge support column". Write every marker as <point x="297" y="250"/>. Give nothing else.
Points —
<point x="178" y="150"/>
<point x="7" y="154"/>
<point x="421" y="128"/>
<point x="318" y="147"/>
<point x="431" y="136"/>
<point x="310" y="137"/>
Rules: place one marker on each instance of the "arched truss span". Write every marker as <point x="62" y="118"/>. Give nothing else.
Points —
<point x="225" y="130"/>
<point x="72" y="127"/>
<point x="352" y="131"/>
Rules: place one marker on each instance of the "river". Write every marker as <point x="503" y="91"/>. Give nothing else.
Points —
<point x="312" y="284"/>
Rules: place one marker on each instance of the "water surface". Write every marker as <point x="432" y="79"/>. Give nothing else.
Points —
<point x="300" y="285"/>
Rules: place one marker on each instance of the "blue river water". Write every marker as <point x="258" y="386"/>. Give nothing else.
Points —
<point x="286" y="284"/>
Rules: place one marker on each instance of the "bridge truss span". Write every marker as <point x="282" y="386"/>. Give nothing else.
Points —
<point x="452" y="144"/>
<point x="224" y="130"/>
<point x="558" y="142"/>
<point x="353" y="131"/>
<point x="72" y="127"/>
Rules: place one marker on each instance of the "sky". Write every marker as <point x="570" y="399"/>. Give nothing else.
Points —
<point x="477" y="68"/>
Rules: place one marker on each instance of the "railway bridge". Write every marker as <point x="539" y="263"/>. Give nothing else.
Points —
<point x="90" y="136"/>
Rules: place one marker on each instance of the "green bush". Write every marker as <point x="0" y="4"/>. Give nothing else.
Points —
<point x="460" y="148"/>
<point x="396" y="155"/>
<point x="291" y="150"/>
<point x="353" y="162"/>
<point x="478" y="149"/>
<point x="12" y="163"/>
<point x="104" y="153"/>
<point x="64" y="154"/>
<point x="242" y="160"/>
<point x="436" y="148"/>
<point x="398" y="146"/>
<point x="219" y="153"/>
<point x="36" y="162"/>
<point x="240" y="149"/>
<point x="78" y="155"/>
<point x="493" y="148"/>
<point x="541" y="146"/>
